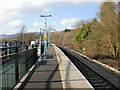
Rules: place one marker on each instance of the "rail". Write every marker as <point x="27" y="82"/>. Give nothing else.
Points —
<point x="10" y="47"/>
<point x="97" y="80"/>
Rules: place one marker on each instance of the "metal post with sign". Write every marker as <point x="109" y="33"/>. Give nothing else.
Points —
<point x="45" y="43"/>
<point x="45" y="35"/>
<point x="40" y="44"/>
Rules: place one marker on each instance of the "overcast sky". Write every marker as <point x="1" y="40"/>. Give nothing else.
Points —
<point x="15" y="13"/>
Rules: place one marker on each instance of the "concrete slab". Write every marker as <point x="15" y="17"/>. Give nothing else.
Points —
<point x="71" y="76"/>
<point x="57" y="71"/>
<point x="47" y="74"/>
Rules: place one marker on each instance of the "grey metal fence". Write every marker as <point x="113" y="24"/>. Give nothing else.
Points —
<point x="14" y="66"/>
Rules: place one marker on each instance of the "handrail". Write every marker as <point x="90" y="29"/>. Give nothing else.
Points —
<point x="12" y="49"/>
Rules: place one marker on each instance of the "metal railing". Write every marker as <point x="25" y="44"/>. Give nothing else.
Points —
<point x="10" y="47"/>
<point x="15" y="65"/>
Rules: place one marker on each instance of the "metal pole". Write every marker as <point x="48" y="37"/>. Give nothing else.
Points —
<point x="40" y="43"/>
<point x="48" y="39"/>
<point x="45" y="24"/>
<point x="45" y="38"/>
<point x="45" y="44"/>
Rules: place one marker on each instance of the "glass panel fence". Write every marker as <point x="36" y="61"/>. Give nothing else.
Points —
<point x="14" y="66"/>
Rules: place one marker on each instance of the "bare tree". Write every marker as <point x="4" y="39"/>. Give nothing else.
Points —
<point x="79" y="24"/>
<point x="21" y="34"/>
<point x="109" y="18"/>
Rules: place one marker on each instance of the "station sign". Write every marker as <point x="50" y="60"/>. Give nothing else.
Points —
<point x="45" y="36"/>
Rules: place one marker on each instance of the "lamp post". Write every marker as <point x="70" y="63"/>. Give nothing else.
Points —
<point x="45" y="16"/>
<point x="45" y="35"/>
<point x="40" y="43"/>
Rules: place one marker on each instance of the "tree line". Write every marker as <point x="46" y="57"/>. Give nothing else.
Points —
<point x="98" y="38"/>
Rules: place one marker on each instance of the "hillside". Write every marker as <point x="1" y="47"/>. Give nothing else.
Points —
<point x="98" y="38"/>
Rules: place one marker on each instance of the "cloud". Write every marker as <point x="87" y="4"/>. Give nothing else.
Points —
<point x="13" y="31"/>
<point x="45" y="10"/>
<point x="16" y="8"/>
<point x="12" y="10"/>
<point x="14" y="24"/>
<point x="42" y="25"/>
<point x="36" y="24"/>
<point x="69" y="22"/>
<point x="53" y="23"/>
<point x="10" y="26"/>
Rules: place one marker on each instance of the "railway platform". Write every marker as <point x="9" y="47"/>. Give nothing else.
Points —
<point x="55" y="71"/>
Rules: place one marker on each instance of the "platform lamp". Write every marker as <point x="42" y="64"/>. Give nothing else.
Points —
<point x="45" y="35"/>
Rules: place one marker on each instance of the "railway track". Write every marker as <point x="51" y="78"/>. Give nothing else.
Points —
<point x="96" y="80"/>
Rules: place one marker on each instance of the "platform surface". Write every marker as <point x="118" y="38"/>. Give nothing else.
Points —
<point x="57" y="71"/>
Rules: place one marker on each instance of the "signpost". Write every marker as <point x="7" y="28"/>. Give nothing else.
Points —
<point x="45" y="35"/>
